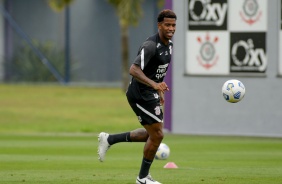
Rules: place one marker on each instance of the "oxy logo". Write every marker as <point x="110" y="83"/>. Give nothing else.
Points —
<point x="250" y="13"/>
<point x="248" y="54"/>
<point x="207" y="57"/>
<point x="208" y="14"/>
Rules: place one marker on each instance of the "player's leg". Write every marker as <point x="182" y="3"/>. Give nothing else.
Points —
<point x="138" y="135"/>
<point x="151" y="116"/>
<point x="155" y="138"/>
<point x="107" y="140"/>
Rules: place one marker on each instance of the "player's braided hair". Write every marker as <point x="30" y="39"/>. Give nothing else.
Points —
<point x="166" y="14"/>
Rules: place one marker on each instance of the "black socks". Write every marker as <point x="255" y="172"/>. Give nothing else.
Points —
<point x="125" y="137"/>
<point x="145" y="167"/>
<point x="116" y="138"/>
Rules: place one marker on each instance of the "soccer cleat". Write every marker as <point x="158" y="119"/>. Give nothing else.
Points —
<point x="147" y="180"/>
<point x="103" y="145"/>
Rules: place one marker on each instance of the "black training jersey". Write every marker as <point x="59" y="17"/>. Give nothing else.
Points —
<point x="153" y="58"/>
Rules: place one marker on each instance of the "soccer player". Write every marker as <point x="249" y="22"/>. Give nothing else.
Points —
<point x="145" y="95"/>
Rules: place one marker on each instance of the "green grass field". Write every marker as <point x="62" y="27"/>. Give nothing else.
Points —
<point x="48" y="135"/>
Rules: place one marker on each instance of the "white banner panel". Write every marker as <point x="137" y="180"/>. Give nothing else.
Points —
<point x="207" y="53"/>
<point x="247" y="15"/>
<point x="280" y="43"/>
<point x="280" y="54"/>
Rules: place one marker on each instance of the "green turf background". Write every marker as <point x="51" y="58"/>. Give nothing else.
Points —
<point x="48" y="135"/>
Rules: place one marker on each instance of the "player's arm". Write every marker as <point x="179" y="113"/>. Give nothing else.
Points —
<point x="138" y="74"/>
<point x="146" y="52"/>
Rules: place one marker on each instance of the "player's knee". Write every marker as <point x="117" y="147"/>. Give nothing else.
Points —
<point x="160" y="136"/>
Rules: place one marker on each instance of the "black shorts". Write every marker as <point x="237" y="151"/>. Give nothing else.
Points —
<point x="147" y="112"/>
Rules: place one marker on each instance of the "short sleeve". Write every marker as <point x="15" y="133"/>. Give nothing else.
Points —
<point x="146" y="52"/>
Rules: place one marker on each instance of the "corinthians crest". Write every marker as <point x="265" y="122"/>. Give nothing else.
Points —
<point x="157" y="110"/>
<point x="208" y="57"/>
<point x="250" y="13"/>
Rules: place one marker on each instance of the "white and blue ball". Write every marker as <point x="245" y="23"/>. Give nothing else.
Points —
<point x="163" y="152"/>
<point x="233" y="91"/>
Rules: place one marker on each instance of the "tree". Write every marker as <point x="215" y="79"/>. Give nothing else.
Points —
<point x="129" y="13"/>
<point x="59" y="5"/>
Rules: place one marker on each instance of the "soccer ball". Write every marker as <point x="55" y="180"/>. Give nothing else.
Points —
<point x="233" y="91"/>
<point x="163" y="152"/>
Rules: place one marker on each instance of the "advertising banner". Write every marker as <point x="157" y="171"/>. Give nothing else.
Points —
<point x="207" y="53"/>
<point x="248" y="52"/>
<point x="207" y="14"/>
<point x="226" y="37"/>
<point x="247" y="15"/>
<point x="280" y="43"/>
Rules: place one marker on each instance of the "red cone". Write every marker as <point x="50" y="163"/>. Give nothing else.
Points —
<point x="170" y="165"/>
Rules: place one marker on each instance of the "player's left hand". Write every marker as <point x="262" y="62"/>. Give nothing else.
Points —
<point x="161" y="87"/>
<point x="162" y="100"/>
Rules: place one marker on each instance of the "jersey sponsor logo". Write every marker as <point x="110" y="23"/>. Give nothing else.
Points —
<point x="163" y="66"/>
<point x="161" y="71"/>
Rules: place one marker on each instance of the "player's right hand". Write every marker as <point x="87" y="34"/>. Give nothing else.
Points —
<point x="161" y="87"/>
